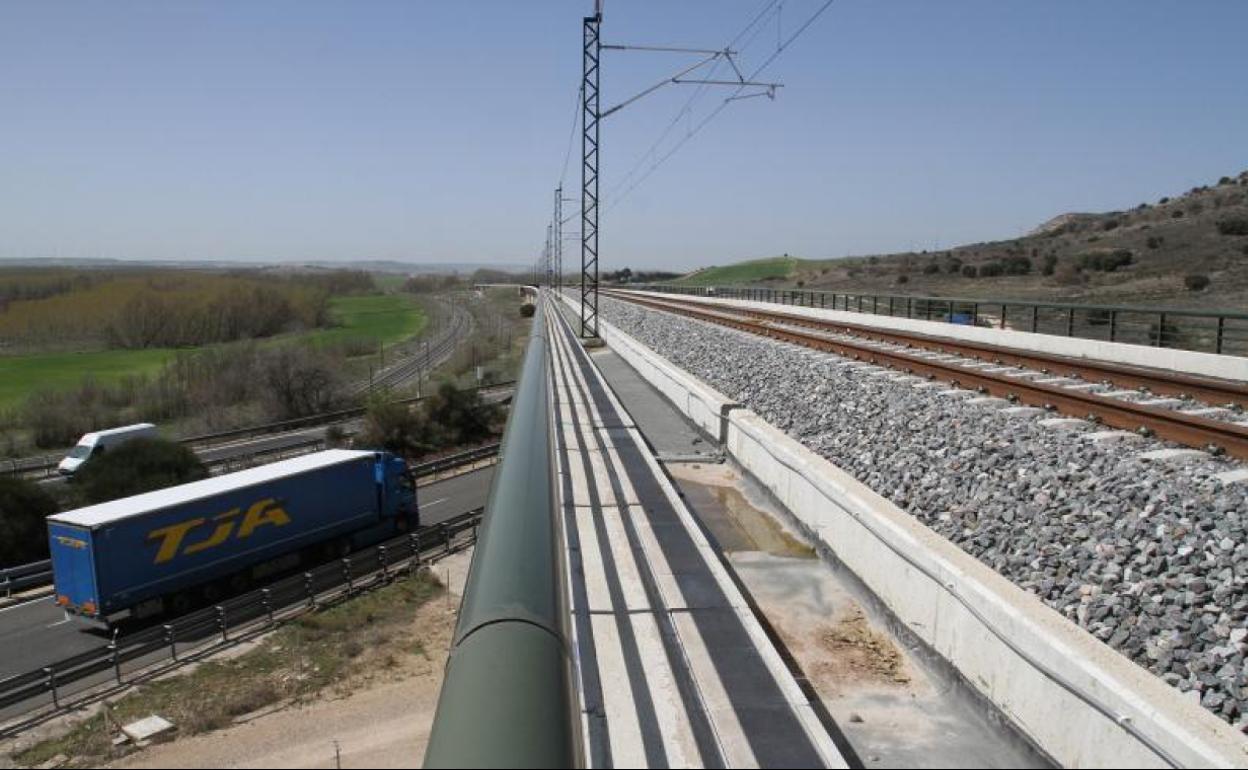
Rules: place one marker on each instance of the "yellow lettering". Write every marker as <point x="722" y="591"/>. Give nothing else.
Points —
<point x="219" y="535"/>
<point x="171" y="538"/>
<point x="261" y="513"/>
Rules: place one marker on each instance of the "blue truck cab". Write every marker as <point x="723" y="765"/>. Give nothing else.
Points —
<point x="139" y="555"/>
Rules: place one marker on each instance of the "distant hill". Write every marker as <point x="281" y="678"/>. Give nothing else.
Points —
<point x="371" y="265"/>
<point x="1187" y="250"/>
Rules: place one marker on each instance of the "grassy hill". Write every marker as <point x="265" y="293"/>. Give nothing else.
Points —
<point x="1189" y="250"/>
<point x="753" y="271"/>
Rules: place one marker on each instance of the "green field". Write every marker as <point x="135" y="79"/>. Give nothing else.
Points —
<point x="387" y="318"/>
<point x="21" y="375"/>
<point x="742" y="272"/>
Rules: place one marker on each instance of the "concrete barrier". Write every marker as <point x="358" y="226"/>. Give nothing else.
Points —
<point x="1077" y="699"/>
<point x="1186" y="361"/>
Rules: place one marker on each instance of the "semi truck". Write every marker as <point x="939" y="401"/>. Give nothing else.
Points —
<point x="175" y="548"/>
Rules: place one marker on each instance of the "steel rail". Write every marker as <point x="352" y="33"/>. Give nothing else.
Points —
<point x="1208" y="389"/>
<point x="1190" y="430"/>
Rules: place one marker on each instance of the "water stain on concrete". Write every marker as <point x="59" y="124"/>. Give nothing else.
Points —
<point x="738" y="523"/>
<point x="892" y="707"/>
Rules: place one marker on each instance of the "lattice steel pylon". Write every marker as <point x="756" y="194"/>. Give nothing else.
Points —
<point x="558" y="239"/>
<point x="589" y="176"/>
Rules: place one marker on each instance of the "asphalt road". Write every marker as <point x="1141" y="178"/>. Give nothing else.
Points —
<point x="37" y="633"/>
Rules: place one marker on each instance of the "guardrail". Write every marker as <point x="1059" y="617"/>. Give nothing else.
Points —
<point x="510" y="667"/>
<point x="46" y="464"/>
<point x="39" y="573"/>
<point x="450" y="462"/>
<point x="1220" y="332"/>
<point x="136" y="657"/>
<point x="25" y="576"/>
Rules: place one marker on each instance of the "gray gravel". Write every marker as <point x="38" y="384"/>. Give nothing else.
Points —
<point x="1149" y="557"/>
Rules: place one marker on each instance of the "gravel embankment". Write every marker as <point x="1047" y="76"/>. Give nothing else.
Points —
<point x="1149" y="557"/>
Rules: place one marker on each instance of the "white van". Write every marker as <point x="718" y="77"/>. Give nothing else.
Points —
<point x="95" y="443"/>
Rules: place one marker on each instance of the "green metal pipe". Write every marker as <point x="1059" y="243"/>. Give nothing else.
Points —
<point x="507" y="698"/>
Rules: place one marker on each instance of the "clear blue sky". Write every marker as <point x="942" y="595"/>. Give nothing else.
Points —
<point x="303" y="129"/>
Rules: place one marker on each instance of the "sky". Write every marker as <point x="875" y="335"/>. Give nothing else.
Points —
<point x="296" y="130"/>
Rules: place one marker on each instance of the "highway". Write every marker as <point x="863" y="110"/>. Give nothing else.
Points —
<point x="36" y="633"/>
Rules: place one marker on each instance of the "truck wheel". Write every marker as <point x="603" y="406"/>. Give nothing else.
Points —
<point x="180" y="604"/>
<point x="240" y="583"/>
<point x="337" y="549"/>
<point x="213" y="593"/>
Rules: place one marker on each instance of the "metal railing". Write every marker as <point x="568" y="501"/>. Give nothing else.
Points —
<point x="1221" y="332"/>
<point x="450" y="462"/>
<point x="25" y="576"/>
<point x="129" y="659"/>
<point x="45" y="465"/>
<point x="507" y="698"/>
<point x="36" y="574"/>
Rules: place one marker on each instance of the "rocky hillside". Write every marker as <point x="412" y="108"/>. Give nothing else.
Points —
<point x="1186" y="250"/>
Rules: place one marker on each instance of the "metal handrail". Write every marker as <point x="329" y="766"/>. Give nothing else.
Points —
<point x="48" y="462"/>
<point x="262" y="608"/>
<point x="1213" y="331"/>
<point x="510" y="662"/>
<point x="39" y="573"/>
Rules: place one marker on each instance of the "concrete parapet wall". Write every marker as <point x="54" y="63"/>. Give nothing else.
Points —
<point x="1077" y="699"/>
<point x="1187" y="361"/>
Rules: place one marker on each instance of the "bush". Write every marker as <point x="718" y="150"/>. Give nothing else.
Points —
<point x="1195" y="281"/>
<point x="1050" y="264"/>
<point x="397" y="428"/>
<point x="931" y="268"/>
<point x="903" y="278"/>
<point x="1110" y="224"/>
<point x="1177" y="214"/>
<point x="970" y="271"/>
<point x="1107" y="262"/>
<point x="449" y="418"/>
<point x="1154" y="241"/>
<point x="991" y="270"/>
<point x="137" y="466"/>
<point x="23" y="534"/>
<point x="1233" y="226"/>
<point x="527" y="310"/>
<point x="300" y="380"/>
<point x="954" y="265"/>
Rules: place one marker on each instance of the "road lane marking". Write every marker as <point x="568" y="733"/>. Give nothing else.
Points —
<point x="30" y="603"/>
<point x="435" y="502"/>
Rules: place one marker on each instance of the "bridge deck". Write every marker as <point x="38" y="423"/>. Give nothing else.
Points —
<point x="673" y="668"/>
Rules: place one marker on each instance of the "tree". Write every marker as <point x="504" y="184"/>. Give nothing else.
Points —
<point x="300" y="380"/>
<point x="396" y="428"/>
<point x="137" y="466"/>
<point x="23" y="534"/>
<point x="461" y="415"/>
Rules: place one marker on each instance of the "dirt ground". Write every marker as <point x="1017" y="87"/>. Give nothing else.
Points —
<point x="380" y="723"/>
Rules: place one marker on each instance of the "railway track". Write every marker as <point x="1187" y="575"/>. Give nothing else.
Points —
<point x="429" y="355"/>
<point x="994" y="371"/>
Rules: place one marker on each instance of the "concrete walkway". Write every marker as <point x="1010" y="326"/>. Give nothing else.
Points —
<point x="673" y="668"/>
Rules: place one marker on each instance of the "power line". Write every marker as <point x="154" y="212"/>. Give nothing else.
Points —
<point x="697" y="94"/>
<point x="576" y="118"/>
<point x="736" y="95"/>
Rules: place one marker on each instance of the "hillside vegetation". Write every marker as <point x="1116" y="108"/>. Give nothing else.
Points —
<point x="43" y="309"/>
<point x="1189" y="250"/>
